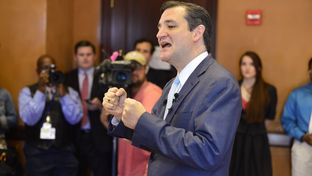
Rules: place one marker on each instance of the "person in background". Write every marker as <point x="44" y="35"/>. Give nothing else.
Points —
<point x="157" y="76"/>
<point x="297" y="122"/>
<point x="50" y="112"/>
<point x="93" y="143"/>
<point x="8" y="120"/>
<point x="192" y="126"/>
<point x="8" y="114"/>
<point x="133" y="160"/>
<point x="251" y="151"/>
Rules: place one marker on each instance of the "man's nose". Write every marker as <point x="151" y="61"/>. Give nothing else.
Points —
<point x="161" y="32"/>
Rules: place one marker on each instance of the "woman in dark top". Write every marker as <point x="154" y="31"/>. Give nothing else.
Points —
<point x="251" y="152"/>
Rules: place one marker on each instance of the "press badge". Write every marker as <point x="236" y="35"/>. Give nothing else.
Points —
<point x="47" y="131"/>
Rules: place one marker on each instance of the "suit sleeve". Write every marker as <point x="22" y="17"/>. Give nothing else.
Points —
<point x="209" y="143"/>
<point x="124" y="132"/>
<point x="120" y="131"/>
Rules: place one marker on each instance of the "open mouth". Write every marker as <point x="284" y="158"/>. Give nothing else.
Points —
<point x="165" y="45"/>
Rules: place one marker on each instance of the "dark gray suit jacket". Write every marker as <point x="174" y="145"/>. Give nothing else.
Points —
<point x="100" y="139"/>
<point x="197" y="136"/>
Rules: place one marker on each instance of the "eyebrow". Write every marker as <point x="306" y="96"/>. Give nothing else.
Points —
<point x="166" y="22"/>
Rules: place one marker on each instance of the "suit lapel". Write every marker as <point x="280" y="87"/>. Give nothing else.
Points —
<point x="191" y="82"/>
<point x="163" y="99"/>
<point x="75" y="81"/>
<point x="94" y="86"/>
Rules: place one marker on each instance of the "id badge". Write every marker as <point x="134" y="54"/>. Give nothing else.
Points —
<point x="47" y="131"/>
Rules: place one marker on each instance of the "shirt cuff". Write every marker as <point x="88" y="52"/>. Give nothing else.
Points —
<point x="115" y="121"/>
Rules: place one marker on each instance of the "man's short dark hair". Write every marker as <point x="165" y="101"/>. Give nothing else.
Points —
<point x="142" y="40"/>
<point x="195" y="15"/>
<point x="84" y="43"/>
<point x="310" y="64"/>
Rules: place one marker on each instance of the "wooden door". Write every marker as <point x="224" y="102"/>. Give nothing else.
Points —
<point x="125" y="21"/>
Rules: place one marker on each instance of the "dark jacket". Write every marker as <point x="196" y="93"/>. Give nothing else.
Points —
<point x="101" y="140"/>
<point x="197" y="135"/>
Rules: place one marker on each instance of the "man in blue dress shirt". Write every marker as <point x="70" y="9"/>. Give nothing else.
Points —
<point x="296" y="121"/>
<point x="50" y="111"/>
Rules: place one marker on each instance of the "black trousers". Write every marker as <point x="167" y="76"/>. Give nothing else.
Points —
<point x="50" y="162"/>
<point x="99" y="163"/>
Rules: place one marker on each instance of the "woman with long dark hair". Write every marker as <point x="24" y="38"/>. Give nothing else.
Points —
<point x="251" y="152"/>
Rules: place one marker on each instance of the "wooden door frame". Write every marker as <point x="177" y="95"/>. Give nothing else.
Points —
<point x="107" y="16"/>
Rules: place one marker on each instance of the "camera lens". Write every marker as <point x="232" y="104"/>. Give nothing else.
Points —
<point x="121" y="77"/>
<point x="56" y="77"/>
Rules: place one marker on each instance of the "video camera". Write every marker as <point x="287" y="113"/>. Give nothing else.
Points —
<point x="55" y="76"/>
<point x="115" y="73"/>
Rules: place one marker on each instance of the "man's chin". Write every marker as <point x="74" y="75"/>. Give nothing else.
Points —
<point x="85" y="67"/>
<point x="137" y="83"/>
<point x="164" y="58"/>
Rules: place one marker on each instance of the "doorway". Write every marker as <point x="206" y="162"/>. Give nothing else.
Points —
<point x="125" y="21"/>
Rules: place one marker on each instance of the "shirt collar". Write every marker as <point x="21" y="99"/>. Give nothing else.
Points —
<point x="89" y="71"/>
<point x="190" y="67"/>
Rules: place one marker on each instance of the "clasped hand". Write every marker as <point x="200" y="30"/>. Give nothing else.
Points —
<point x="125" y="109"/>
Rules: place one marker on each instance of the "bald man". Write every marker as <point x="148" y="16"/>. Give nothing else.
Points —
<point x="50" y="112"/>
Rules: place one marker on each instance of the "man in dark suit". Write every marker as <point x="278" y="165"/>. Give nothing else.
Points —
<point x="93" y="143"/>
<point x="192" y="127"/>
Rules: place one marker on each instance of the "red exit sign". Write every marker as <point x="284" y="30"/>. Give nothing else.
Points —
<point x="253" y="17"/>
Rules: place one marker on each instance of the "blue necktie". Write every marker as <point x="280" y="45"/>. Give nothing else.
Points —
<point x="173" y="90"/>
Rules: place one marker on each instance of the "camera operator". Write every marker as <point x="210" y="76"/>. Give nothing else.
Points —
<point x="132" y="160"/>
<point x="93" y="143"/>
<point x="50" y="111"/>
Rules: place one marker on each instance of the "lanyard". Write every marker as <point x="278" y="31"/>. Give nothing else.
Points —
<point x="51" y="95"/>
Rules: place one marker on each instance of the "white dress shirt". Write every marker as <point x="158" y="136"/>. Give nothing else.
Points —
<point x="185" y="74"/>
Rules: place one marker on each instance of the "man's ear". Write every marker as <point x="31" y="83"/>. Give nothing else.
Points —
<point x="198" y="32"/>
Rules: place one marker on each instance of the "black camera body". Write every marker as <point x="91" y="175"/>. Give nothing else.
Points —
<point x="55" y="76"/>
<point x="116" y="73"/>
